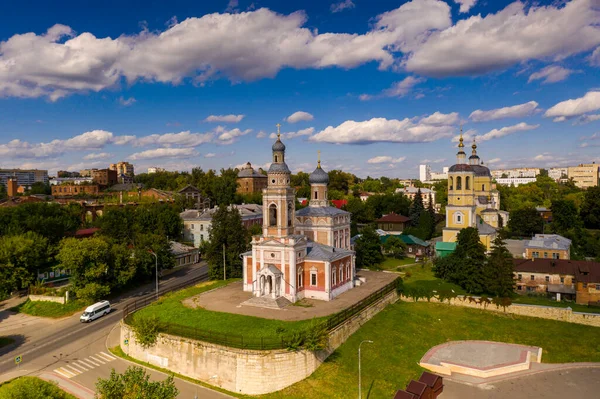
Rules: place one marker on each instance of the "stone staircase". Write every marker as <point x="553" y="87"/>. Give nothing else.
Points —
<point x="267" y="302"/>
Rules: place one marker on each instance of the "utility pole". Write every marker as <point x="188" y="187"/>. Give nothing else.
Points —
<point x="359" y="377"/>
<point x="156" y="257"/>
<point x="224" y="267"/>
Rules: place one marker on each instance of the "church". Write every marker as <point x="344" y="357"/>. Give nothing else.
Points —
<point x="300" y="254"/>
<point x="472" y="199"/>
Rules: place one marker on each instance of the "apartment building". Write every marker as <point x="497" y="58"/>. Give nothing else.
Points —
<point x="515" y="173"/>
<point x="584" y="175"/>
<point x="24" y="177"/>
<point x="105" y="177"/>
<point x="122" y="168"/>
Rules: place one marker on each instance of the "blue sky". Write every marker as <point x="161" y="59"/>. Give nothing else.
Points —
<point x="377" y="86"/>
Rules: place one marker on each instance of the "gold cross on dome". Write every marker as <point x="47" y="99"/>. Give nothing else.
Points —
<point x="319" y="158"/>
<point x="278" y="126"/>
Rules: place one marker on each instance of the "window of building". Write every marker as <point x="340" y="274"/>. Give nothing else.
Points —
<point x="201" y="227"/>
<point x="192" y="237"/>
<point x="316" y="195"/>
<point x="483" y="187"/>
<point x="597" y="287"/>
<point x="545" y="254"/>
<point x="555" y="255"/>
<point x="536" y="254"/>
<point x="520" y="277"/>
<point x="272" y="215"/>
<point x="313" y="278"/>
<point x="192" y="227"/>
<point x="300" y="277"/>
<point x="519" y="287"/>
<point x="458" y="218"/>
<point x="584" y="285"/>
<point x="451" y="181"/>
<point x="410" y="249"/>
<point x="562" y="280"/>
<point x="333" y="275"/>
<point x="547" y="279"/>
<point x="467" y="182"/>
<point x="458" y="183"/>
<point x="290" y="214"/>
<point x="532" y="277"/>
<point x="201" y="237"/>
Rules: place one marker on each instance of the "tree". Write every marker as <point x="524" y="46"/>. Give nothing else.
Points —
<point x="499" y="270"/>
<point x="20" y="258"/>
<point x="525" y="222"/>
<point x="368" y="249"/>
<point x="32" y="388"/>
<point x="590" y="208"/>
<point x="564" y="216"/>
<point x="225" y="187"/>
<point x="40" y="188"/>
<point x="414" y="212"/>
<point x="395" y="247"/>
<point x="226" y="230"/>
<point x="135" y="383"/>
<point x="471" y="253"/>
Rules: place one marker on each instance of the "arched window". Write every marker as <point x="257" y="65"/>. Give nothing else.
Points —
<point x="272" y="215"/>
<point x="467" y="181"/>
<point x="483" y="187"/>
<point x="459" y="218"/>
<point x="316" y="195"/>
<point x="333" y="282"/>
<point x="348" y="271"/>
<point x="340" y="273"/>
<point x="276" y="159"/>
<point x="458" y="183"/>
<point x="451" y="184"/>
<point x="290" y="214"/>
<point x="300" y="277"/>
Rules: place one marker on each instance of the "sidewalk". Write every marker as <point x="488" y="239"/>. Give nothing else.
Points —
<point x="68" y="385"/>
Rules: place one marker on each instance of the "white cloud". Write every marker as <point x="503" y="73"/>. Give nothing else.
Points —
<point x="291" y="135"/>
<point x="90" y="140"/>
<point x="299" y="116"/>
<point x="126" y="102"/>
<point x="182" y="139"/>
<point x="595" y="57"/>
<point x="123" y="140"/>
<point x="516" y="111"/>
<point x="341" y="6"/>
<point x="505" y="131"/>
<point x="231" y="6"/>
<point x="210" y="155"/>
<point x="224" y="118"/>
<point x="398" y="89"/>
<point x="261" y="135"/>
<point x="583" y="119"/>
<point x="227" y="137"/>
<point x="515" y="34"/>
<point x="385" y="159"/>
<point x="494" y="160"/>
<point x="100" y="155"/>
<point x="551" y="74"/>
<point x="382" y="130"/>
<point x="465" y="5"/>
<point x="543" y="157"/>
<point x="164" y="153"/>
<point x="439" y="119"/>
<point x="576" y="107"/>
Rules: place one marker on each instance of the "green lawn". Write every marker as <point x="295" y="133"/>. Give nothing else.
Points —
<point x="170" y="309"/>
<point x="6" y="341"/>
<point x="393" y="263"/>
<point x="32" y="387"/>
<point x="422" y="276"/>
<point x="50" y="309"/>
<point x="405" y="331"/>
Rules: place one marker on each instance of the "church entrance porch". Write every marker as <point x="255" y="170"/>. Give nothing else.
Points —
<point x="269" y="282"/>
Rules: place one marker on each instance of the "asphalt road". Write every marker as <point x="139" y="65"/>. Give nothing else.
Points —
<point x="75" y="351"/>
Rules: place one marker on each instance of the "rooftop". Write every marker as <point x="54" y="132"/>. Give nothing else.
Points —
<point x="584" y="271"/>
<point x="320" y="211"/>
<point x="393" y="218"/>
<point x="178" y="248"/>
<point x="245" y="210"/>
<point x="549" y="241"/>
<point x="316" y="251"/>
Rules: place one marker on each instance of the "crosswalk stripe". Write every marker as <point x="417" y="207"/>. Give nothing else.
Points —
<point x="80" y="364"/>
<point x="106" y="355"/>
<point x="61" y="373"/>
<point x="98" y="360"/>
<point x="89" y="361"/>
<point x="64" y="370"/>
<point x="77" y="371"/>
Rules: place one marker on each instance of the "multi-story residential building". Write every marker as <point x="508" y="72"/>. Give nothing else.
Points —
<point x="424" y="172"/>
<point x="411" y="192"/>
<point x="549" y="246"/>
<point x="155" y="170"/>
<point x="515" y="173"/>
<point x="87" y="172"/>
<point x="122" y="168"/>
<point x="69" y="190"/>
<point x="196" y="223"/>
<point x="70" y="180"/>
<point x="561" y="278"/>
<point x="434" y="176"/>
<point x="558" y="173"/>
<point x="251" y="181"/>
<point x="105" y="177"/>
<point x="584" y="175"/>
<point x="515" y="181"/>
<point x="24" y="177"/>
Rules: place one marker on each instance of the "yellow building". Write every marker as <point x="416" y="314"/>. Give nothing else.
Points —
<point x="472" y="201"/>
<point x="584" y="175"/>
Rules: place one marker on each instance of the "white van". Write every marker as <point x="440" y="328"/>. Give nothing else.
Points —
<point x="94" y="311"/>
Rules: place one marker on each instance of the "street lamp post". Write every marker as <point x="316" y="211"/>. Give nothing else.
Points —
<point x="359" y="377"/>
<point x="156" y="257"/>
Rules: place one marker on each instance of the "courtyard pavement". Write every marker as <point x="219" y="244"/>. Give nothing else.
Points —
<point x="228" y="299"/>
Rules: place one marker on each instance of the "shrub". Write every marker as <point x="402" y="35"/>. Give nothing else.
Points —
<point x="92" y="292"/>
<point x="146" y="330"/>
<point x="399" y="286"/>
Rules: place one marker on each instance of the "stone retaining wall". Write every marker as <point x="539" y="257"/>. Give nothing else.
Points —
<point x="243" y="371"/>
<point x="544" y="312"/>
<point x="47" y="298"/>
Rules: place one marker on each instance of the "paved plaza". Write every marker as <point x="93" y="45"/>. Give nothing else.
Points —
<point x="228" y="299"/>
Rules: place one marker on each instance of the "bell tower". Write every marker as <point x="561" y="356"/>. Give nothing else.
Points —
<point x="279" y="198"/>
<point x="318" y="186"/>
